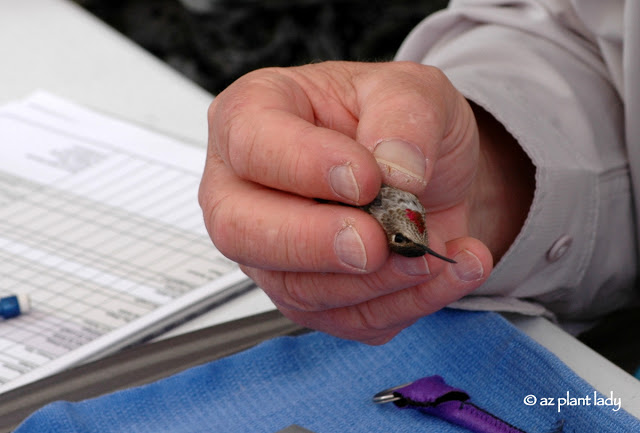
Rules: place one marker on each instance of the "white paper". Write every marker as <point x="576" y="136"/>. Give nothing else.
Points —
<point x="100" y="226"/>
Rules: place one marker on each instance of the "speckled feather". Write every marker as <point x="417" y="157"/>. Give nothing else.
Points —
<point x="402" y="217"/>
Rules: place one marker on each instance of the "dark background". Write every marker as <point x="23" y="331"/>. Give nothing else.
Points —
<point x="216" y="46"/>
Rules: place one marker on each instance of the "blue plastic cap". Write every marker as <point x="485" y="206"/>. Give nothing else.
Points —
<point x="10" y="307"/>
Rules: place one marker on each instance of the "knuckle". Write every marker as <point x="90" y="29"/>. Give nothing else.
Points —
<point x="412" y="68"/>
<point x="207" y="190"/>
<point x="217" y="208"/>
<point x="303" y="243"/>
<point x="288" y="290"/>
<point x="299" y="293"/>
<point x="423" y="72"/>
<point x="221" y="223"/>
<point x="422" y="298"/>
<point x="417" y="92"/>
<point x="289" y="235"/>
<point x="436" y="75"/>
<point x="368" y="321"/>
<point x="294" y="168"/>
<point x="212" y="111"/>
<point x="236" y="139"/>
<point x="231" y="121"/>
<point x="294" y="291"/>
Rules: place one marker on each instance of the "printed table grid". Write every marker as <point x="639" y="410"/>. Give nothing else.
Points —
<point x="100" y="226"/>
<point x="95" y="250"/>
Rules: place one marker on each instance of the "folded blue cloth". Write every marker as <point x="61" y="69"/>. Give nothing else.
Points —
<point x="326" y="384"/>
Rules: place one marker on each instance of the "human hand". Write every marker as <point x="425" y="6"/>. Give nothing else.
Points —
<point x="278" y="138"/>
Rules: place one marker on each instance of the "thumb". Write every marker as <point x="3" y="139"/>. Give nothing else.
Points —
<point x="410" y="117"/>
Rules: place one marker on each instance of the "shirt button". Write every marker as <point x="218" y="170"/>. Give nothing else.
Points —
<point x="559" y="248"/>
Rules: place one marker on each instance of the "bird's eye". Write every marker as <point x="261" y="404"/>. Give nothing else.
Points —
<point x="399" y="238"/>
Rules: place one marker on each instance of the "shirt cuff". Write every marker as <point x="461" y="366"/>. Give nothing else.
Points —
<point x="500" y="69"/>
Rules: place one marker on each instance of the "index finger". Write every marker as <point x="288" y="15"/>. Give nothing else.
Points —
<point x="266" y="129"/>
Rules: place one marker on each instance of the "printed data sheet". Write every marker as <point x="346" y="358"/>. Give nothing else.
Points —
<point x="100" y="226"/>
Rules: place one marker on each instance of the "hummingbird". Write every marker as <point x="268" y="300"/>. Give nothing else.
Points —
<point x="402" y="217"/>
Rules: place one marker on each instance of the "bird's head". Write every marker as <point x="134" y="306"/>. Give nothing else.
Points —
<point x="402" y="217"/>
<point x="407" y="234"/>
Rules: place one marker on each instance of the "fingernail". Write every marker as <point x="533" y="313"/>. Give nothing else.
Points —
<point x="402" y="157"/>
<point x="343" y="182"/>
<point x="411" y="266"/>
<point x="468" y="267"/>
<point x="350" y="249"/>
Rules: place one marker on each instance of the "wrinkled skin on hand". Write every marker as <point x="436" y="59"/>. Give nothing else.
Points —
<point x="278" y="138"/>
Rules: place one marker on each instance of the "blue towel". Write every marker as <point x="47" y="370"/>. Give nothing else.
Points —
<point x="325" y="384"/>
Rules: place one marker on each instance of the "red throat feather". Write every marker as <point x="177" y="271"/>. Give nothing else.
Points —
<point x="416" y="218"/>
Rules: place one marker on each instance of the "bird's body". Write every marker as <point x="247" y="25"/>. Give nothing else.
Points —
<point x="402" y="217"/>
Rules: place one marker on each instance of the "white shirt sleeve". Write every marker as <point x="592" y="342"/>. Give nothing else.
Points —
<point x="536" y="68"/>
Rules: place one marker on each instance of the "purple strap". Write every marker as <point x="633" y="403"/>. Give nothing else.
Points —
<point x="433" y="396"/>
